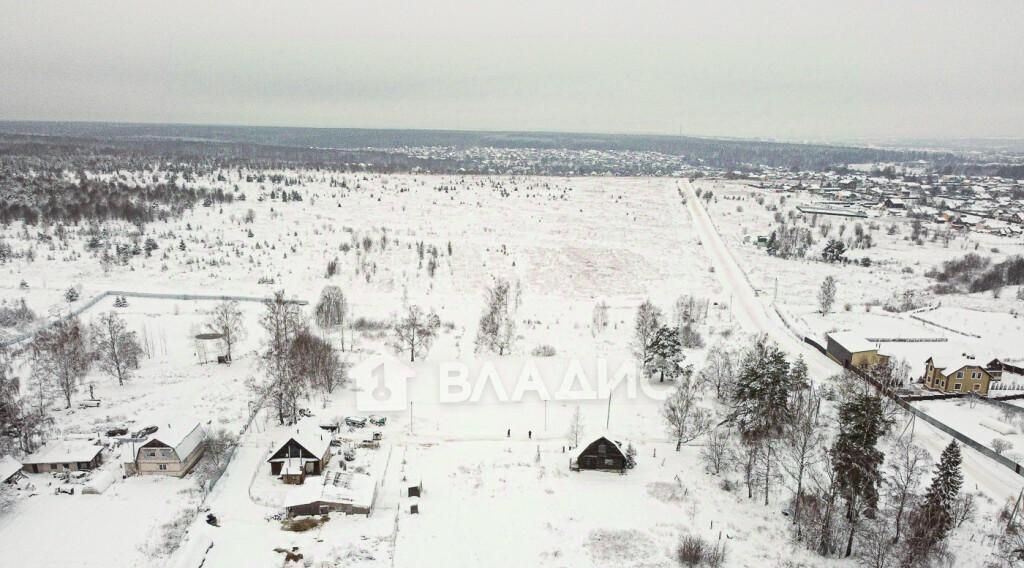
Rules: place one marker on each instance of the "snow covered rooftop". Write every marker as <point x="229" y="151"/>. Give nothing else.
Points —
<point x="336" y="487"/>
<point x="184" y="437"/>
<point x="311" y="437"/>
<point x="8" y="467"/>
<point x="954" y="362"/>
<point x="852" y="341"/>
<point x="65" y="451"/>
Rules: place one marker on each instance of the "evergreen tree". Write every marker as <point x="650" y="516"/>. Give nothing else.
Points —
<point x="856" y="460"/>
<point x="760" y="398"/>
<point x="760" y="402"/>
<point x="933" y="519"/>
<point x="834" y="251"/>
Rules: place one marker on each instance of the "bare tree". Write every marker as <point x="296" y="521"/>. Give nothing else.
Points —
<point x="802" y="439"/>
<point x="827" y="295"/>
<point x="907" y="465"/>
<point x="497" y="330"/>
<point x="575" y="427"/>
<point x="60" y="356"/>
<point x="10" y="388"/>
<point x="415" y="332"/>
<point x="648" y="322"/>
<point x="1001" y="445"/>
<point x="227" y="320"/>
<point x="747" y="462"/>
<point x="220" y="445"/>
<point x="875" y="545"/>
<point x="115" y="348"/>
<point x="718" y="450"/>
<point x="331" y="310"/>
<point x="719" y="370"/>
<point x="282" y="321"/>
<point x="686" y="421"/>
<point x="313" y="359"/>
<point x="599" y="319"/>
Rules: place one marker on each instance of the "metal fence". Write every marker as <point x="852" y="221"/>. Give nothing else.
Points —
<point x="918" y="413"/>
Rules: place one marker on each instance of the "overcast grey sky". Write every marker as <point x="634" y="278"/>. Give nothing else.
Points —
<point x="785" y="69"/>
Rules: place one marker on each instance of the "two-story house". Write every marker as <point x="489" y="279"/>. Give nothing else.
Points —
<point x="959" y="374"/>
<point x="171" y="450"/>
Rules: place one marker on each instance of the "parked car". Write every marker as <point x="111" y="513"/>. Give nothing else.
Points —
<point x="145" y="431"/>
<point x="114" y="432"/>
<point x="349" y="455"/>
<point x="355" y="421"/>
<point x="378" y="420"/>
<point x="305" y="413"/>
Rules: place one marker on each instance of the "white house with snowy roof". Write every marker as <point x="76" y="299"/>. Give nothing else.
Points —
<point x="64" y="455"/>
<point x="171" y="451"/>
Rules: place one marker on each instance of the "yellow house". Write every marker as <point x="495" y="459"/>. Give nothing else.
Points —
<point x="958" y="374"/>
<point x="852" y="350"/>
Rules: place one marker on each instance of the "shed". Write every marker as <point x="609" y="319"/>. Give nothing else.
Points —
<point x="340" y="491"/>
<point x="64" y="455"/>
<point x="602" y="454"/>
<point x="851" y="350"/>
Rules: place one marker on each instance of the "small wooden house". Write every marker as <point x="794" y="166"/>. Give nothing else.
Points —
<point x="309" y="451"/>
<point x="602" y="454"/>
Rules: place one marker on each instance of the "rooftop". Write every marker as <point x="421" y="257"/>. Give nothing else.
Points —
<point x="8" y="467"/>
<point x="64" y="451"/>
<point x="335" y="487"/>
<point x="852" y="341"/>
<point x="183" y="437"/>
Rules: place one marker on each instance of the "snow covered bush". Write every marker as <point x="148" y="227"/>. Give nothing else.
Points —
<point x="543" y="351"/>
<point x="690" y="551"/>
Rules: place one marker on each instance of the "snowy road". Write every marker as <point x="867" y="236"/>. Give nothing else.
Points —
<point x="981" y="472"/>
<point x="748" y="309"/>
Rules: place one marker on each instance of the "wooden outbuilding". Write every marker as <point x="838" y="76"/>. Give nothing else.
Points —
<point x="337" y="492"/>
<point x="851" y="350"/>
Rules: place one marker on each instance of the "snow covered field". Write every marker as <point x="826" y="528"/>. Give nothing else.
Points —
<point x="497" y="486"/>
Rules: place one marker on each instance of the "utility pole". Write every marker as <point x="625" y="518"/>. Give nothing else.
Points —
<point x="545" y="415"/>
<point x="410" y="417"/>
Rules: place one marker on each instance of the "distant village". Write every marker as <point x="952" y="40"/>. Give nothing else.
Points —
<point x="986" y="203"/>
